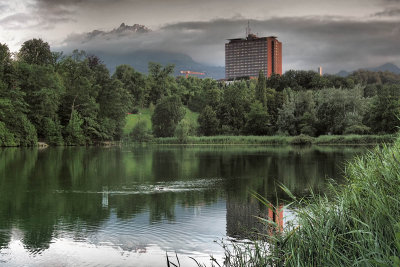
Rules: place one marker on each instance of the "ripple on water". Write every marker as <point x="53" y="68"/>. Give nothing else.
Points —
<point x="159" y="187"/>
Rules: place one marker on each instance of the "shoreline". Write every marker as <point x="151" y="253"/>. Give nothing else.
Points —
<point x="323" y="140"/>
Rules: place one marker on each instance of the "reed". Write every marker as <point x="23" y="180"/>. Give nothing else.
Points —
<point x="281" y="140"/>
<point x="357" y="224"/>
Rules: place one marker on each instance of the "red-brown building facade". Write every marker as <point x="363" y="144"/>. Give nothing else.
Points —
<point x="245" y="57"/>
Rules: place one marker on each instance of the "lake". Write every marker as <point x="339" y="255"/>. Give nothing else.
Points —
<point x="128" y="206"/>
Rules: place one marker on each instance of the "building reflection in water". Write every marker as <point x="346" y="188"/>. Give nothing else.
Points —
<point x="243" y="218"/>
<point x="104" y="200"/>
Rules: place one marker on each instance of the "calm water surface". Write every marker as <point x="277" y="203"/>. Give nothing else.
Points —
<point x="127" y="206"/>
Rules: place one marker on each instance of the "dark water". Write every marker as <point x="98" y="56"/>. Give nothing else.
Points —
<point x="128" y="206"/>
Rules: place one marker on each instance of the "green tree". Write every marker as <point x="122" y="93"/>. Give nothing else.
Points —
<point x="182" y="131"/>
<point x="73" y="131"/>
<point x="115" y="102"/>
<point x="286" y="122"/>
<point x="82" y="86"/>
<point x="257" y="120"/>
<point x="234" y="106"/>
<point x="274" y="103"/>
<point x="338" y="109"/>
<point x="261" y="88"/>
<point x="43" y="90"/>
<point x="160" y="81"/>
<point x="140" y="133"/>
<point x="208" y="122"/>
<point x="385" y="111"/>
<point x="167" y="114"/>
<point x="16" y="129"/>
<point x="134" y="82"/>
<point x="35" y="51"/>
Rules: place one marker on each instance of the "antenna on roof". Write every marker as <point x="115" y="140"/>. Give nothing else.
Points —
<point x="248" y="30"/>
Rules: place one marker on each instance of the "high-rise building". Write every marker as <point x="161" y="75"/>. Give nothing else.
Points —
<point x="245" y="57"/>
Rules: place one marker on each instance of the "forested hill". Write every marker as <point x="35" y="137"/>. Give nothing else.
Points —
<point x="387" y="67"/>
<point x="74" y="100"/>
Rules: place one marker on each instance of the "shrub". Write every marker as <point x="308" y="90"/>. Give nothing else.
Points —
<point x="357" y="129"/>
<point x="182" y="131"/>
<point x="141" y="133"/>
<point x="302" y="140"/>
<point x="6" y="137"/>
<point x="73" y="131"/>
<point x="135" y="111"/>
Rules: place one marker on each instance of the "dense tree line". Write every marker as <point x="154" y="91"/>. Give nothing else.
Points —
<point x="59" y="99"/>
<point x="74" y="100"/>
<point x="298" y="102"/>
<point x="303" y="102"/>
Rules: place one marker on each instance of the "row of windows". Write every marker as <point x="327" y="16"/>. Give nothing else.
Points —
<point x="249" y="60"/>
<point x="246" y="44"/>
<point x="246" y="53"/>
<point x="246" y="49"/>
<point x="243" y="70"/>
<point x="259" y="48"/>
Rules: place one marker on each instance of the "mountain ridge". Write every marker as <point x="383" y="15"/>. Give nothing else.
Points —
<point x="391" y="67"/>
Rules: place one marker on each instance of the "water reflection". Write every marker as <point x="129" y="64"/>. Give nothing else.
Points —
<point x="134" y="199"/>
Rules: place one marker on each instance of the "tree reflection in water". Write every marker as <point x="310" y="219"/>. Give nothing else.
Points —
<point x="79" y="192"/>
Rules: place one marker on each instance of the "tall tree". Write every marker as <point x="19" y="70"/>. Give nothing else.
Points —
<point x="15" y="127"/>
<point x="36" y="51"/>
<point x="261" y="88"/>
<point x="257" y="120"/>
<point x="160" y="81"/>
<point x="134" y="82"/>
<point x="208" y="122"/>
<point x="167" y="114"/>
<point x="81" y="92"/>
<point x="385" y="111"/>
<point x="43" y="90"/>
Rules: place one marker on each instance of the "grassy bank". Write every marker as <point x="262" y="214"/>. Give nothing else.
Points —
<point x="358" y="225"/>
<point x="283" y="140"/>
<point x="146" y="113"/>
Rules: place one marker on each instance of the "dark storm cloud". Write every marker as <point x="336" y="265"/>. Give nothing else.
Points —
<point x="389" y="12"/>
<point x="334" y="43"/>
<point x="51" y="12"/>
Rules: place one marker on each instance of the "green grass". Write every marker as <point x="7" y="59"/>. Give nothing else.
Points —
<point x="282" y="140"/>
<point x="357" y="224"/>
<point x="145" y="114"/>
<point x="191" y="117"/>
<point x="228" y="140"/>
<point x="133" y="119"/>
<point x="354" y="139"/>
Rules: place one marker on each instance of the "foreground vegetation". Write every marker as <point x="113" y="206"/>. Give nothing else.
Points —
<point x="357" y="224"/>
<point x="281" y="140"/>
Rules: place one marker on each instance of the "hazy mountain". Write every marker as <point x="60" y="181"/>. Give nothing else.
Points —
<point x="343" y="73"/>
<point x="139" y="61"/>
<point x="134" y="45"/>
<point x="385" y="67"/>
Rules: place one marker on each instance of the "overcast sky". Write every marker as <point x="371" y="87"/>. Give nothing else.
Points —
<point x="339" y="34"/>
